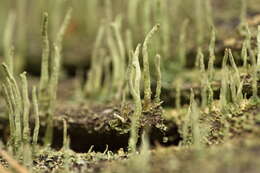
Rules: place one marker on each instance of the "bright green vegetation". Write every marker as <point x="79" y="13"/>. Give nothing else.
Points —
<point x="129" y="86"/>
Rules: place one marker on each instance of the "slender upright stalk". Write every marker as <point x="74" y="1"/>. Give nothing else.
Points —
<point x="36" y="117"/>
<point x="209" y="16"/>
<point x="65" y="134"/>
<point x="204" y="79"/>
<point x="134" y="85"/>
<point x="26" y="109"/>
<point x="212" y="54"/>
<point x="44" y="79"/>
<point x="54" y="77"/>
<point x="178" y="95"/>
<point x="258" y="46"/>
<point x="16" y="101"/>
<point x="53" y="94"/>
<point x="9" y="102"/>
<point x="62" y="30"/>
<point x="158" y="78"/>
<point x="244" y="54"/>
<point x="121" y="51"/>
<point x="196" y="132"/>
<point x="146" y="70"/>
<point x="243" y="14"/>
<point x="234" y="66"/>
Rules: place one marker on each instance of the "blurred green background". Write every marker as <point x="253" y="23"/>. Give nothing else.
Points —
<point x="137" y="16"/>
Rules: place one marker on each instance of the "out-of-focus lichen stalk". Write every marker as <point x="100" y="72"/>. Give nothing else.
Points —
<point x="145" y="154"/>
<point x="129" y="42"/>
<point x="115" y="59"/>
<point x="224" y="89"/>
<point x="196" y="132"/>
<point x="26" y="109"/>
<point x="63" y="28"/>
<point x="146" y="13"/>
<point x="244" y="54"/>
<point x="55" y="16"/>
<point x="36" y="117"/>
<point x="209" y="15"/>
<point x="146" y="69"/>
<point x="65" y="134"/>
<point x="93" y="82"/>
<point x="121" y="51"/>
<point x="54" y="77"/>
<point x="182" y="44"/>
<point x="8" y="41"/>
<point x="212" y="55"/>
<point x="204" y="78"/>
<point x="165" y="22"/>
<point x="53" y="94"/>
<point x="132" y="12"/>
<point x="44" y="79"/>
<point x="21" y="32"/>
<point x="91" y="17"/>
<point x="243" y="14"/>
<point x="234" y="66"/>
<point x="158" y="78"/>
<point x="108" y="10"/>
<point x="258" y="46"/>
<point x="199" y="21"/>
<point x="178" y="94"/>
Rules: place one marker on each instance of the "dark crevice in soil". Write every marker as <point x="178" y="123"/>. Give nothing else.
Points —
<point x="103" y="126"/>
<point x="82" y="141"/>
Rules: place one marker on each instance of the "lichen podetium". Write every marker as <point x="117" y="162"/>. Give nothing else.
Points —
<point x="146" y="68"/>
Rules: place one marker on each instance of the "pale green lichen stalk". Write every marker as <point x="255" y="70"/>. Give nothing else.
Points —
<point x="63" y="28"/>
<point x="92" y="85"/>
<point x="44" y="79"/>
<point x="53" y="94"/>
<point x="195" y="128"/>
<point x="244" y="54"/>
<point x="15" y="107"/>
<point x="258" y="46"/>
<point x="209" y="13"/>
<point x="204" y="78"/>
<point x="134" y="85"/>
<point x="224" y="89"/>
<point x="55" y="66"/>
<point x="65" y="134"/>
<point x="36" y="117"/>
<point x="146" y="70"/>
<point x="243" y="15"/>
<point x="178" y="94"/>
<point x="26" y="109"/>
<point x="158" y="78"/>
<point x="18" y="104"/>
<point x="234" y="66"/>
<point x="212" y="55"/>
<point x="8" y="100"/>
